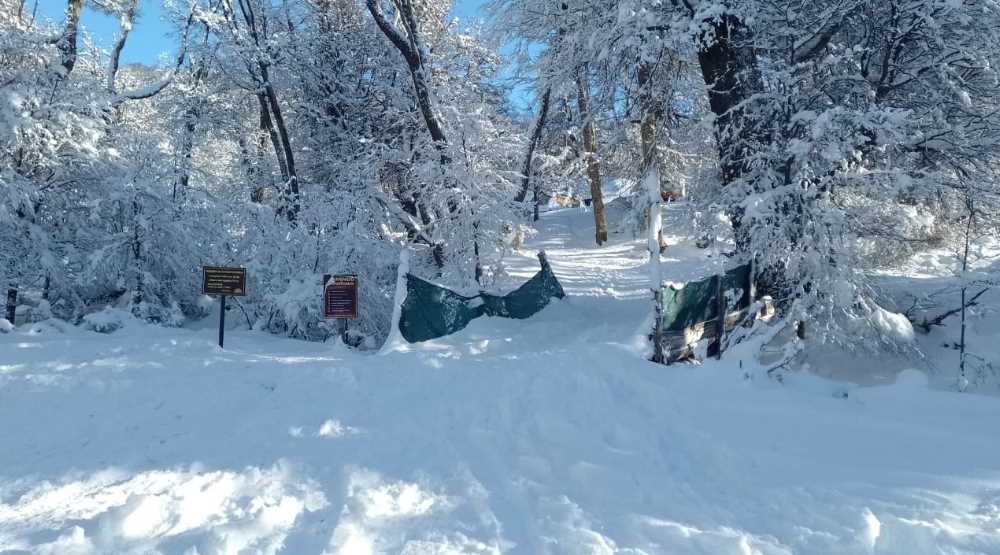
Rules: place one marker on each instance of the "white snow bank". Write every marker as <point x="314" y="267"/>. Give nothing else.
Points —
<point x="152" y="440"/>
<point x="108" y="320"/>
<point x="912" y="379"/>
<point x="893" y="324"/>
<point x="114" y="511"/>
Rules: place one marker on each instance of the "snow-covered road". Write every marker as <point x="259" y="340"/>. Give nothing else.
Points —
<point x="550" y="435"/>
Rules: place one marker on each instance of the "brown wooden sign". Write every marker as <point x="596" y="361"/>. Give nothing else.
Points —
<point x="216" y="280"/>
<point x="340" y="298"/>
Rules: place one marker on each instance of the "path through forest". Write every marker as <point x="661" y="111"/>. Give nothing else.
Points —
<point x="549" y="435"/>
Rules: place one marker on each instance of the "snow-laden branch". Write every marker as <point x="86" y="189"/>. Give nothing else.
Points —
<point x="156" y="87"/>
<point x="403" y="45"/>
<point x="813" y="44"/>
<point x="116" y="50"/>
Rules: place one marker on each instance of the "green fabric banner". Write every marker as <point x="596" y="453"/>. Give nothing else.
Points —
<point x="695" y="302"/>
<point x="432" y="311"/>
<point x="736" y="287"/>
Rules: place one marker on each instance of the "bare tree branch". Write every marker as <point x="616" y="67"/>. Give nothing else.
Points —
<point x="926" y="324"/>
<point x="119" y="45"/>
<point x="157" y="87"/>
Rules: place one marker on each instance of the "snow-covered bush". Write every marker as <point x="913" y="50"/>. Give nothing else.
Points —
<point x="50" y="326"/>
<point x="108" y="320"/>
<point x="31" y="308"/>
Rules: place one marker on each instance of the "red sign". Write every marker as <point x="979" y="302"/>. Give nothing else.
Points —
<point x="340" y="298"/>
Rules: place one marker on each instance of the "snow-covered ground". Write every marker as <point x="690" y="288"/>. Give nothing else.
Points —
<point x="928" y="286"/>
<point x="550" y="435"/>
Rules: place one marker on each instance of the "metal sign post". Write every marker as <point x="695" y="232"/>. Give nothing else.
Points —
<point x="222" y="321"/>
<point x="217" y="280"/>
<point x="11" y="304"/>
<point x="340" y="300"/>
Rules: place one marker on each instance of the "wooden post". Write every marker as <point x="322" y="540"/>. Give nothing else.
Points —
<point x="543" y="260"/>
<point x="222" y="321"/>
<point x="11" y="304"/>
<point x="658" y="354"/>
<point x="720" y="322"/>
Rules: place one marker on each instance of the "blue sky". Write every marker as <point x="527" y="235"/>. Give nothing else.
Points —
<point x="150" y="36"/>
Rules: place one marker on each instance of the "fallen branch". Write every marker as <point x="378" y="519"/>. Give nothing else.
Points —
<point x="939" y="320"/>
<point x="245" y="315"/>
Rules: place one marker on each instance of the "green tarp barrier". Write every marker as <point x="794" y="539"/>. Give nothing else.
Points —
<point x="432" y="311"/>
<point x="736" y="287"/>
<point x="695" y="302"/>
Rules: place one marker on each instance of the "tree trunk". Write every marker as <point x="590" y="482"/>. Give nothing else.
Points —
<point x="478" y="272"/>
<point x="289" y="205"/>
<point x="67" y="42"/>
<point x="290" y="189"/>
<point x="730" y="71"/>
<point x="647" y="137"/>
<point x="593" y="166"/>
<point x="270" y="113"/>
<point x="253" y="162"/>
<point x="654" y="193"/>
<point x="119" y="45"/>
<point x="138" y="293"/>
<point x="12" y="304"/>
<point x="654" y="245"/>
<point x="536" y="135"/>
<point x="650" y="117"/>
<point x="191" y="116"/>
<point x="963" y="380"/>
<point x="412" y="51"/>
<point x="183" y="175"/>
<point x="267" y="124"/>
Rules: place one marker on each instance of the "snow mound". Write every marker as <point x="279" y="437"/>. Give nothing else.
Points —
<point x="49" y="326"/>
<point x="385" y="516"/>
<point x="912" y="379"/>
<point x="209" y="512"/>
<point x="108" y="320"/>
<point x="893" y="325"/>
